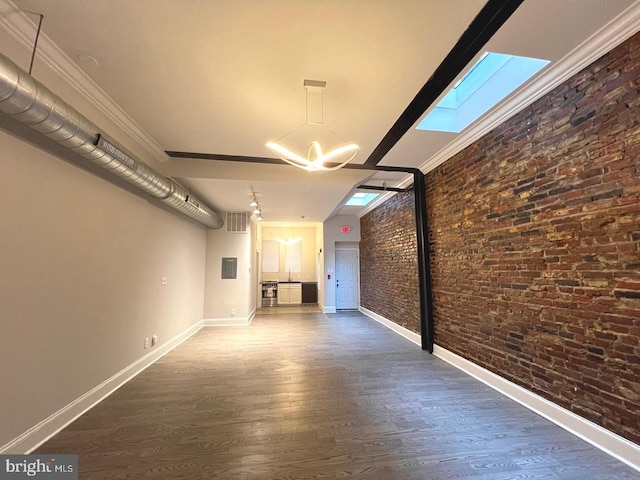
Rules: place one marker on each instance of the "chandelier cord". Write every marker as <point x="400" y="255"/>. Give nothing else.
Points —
<point x="315" y="155"/>
<point x="35" y="44"/>
<point x="290" y="132"/>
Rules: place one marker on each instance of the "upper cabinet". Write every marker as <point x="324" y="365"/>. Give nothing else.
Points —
<point x="270" y="256"/>
<point x="293" y="257"/>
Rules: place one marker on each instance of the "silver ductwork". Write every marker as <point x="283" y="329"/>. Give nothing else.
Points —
<point x="28" y="101"/>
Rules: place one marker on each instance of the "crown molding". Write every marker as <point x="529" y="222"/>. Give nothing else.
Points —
<point x="599" y="43"/>
<point x="20" y="27"/>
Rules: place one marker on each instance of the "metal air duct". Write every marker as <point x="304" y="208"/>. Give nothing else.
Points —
<point x="26" y="100"/>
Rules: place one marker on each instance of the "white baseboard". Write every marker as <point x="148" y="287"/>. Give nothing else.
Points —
<point x="605" y="440"/>
<point x="43" y="431"/>
<point x="328" y="309"/>
<point x="400" y="330"/>
<point x="230" y="321"/>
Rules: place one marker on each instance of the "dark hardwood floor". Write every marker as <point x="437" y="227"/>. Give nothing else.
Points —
<point x="309" y="395"/>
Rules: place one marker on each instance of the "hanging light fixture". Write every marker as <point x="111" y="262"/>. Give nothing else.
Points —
<point x="257" y="210"/>
<point x="313" y="131"/>
<point x="254" y="198"/>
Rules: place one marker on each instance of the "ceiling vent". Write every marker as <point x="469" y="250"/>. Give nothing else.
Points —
<point x="237" y="222"/>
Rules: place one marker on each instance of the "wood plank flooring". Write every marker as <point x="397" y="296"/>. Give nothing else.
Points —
<point x="318" y="396"/>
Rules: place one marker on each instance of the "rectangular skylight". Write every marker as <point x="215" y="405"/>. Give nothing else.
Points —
<point x="489" y="81"/>
<point x="361" y="199"/>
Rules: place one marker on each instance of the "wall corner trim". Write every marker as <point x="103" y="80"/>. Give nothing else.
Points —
<point x="19" y="27"/>
<point x="601" y="438"/>
<point x="230" y="321"/>
<point x="43" y="431"/>
<point x="618" y="447"/>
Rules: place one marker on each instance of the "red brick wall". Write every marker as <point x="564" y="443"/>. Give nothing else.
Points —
<point x="388" y="262"/>
<point x="535" y="234"/>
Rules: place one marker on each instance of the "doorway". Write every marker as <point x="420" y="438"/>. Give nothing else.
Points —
<point x="347" y="285"/>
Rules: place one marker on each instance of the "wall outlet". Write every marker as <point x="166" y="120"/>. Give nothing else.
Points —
<point x="164" y="281"/>
<point x="146" y="342"/>
<point x="154" y="340"/>
<point x="233" y="312"/>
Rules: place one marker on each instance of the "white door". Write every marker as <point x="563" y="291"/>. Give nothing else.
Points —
<point x="346" y="279"/>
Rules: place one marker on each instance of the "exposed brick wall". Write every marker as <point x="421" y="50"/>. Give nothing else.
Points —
<point x="535" y="233"/>
<point x="388" y="262"/>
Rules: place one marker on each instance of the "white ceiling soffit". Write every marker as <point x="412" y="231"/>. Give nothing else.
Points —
<point x="294" y="201"/>
<point x="283" y="192"/>
<point x="22" y="29"/>
<point x="621" y="28"/>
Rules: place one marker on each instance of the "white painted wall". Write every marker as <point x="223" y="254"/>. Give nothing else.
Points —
<point x="223" y="296"/>
<point x="332" y="233"/>
<point x="81" y="262"/>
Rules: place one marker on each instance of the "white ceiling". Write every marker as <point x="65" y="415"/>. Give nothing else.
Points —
<point x="224" y="77"/>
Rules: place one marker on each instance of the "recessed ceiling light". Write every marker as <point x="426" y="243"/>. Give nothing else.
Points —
<point x="86" y="58"/>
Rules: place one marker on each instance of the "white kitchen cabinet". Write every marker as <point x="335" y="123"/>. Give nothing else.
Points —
<point x="289" y="294"/>
<point x="296" y="294"/>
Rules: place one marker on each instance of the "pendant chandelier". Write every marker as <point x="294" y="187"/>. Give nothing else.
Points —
<point x="313" y="133"/>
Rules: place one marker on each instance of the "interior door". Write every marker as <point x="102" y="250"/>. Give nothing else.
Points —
<point x="346" y="279"/>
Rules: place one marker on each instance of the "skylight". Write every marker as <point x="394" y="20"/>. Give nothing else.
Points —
<point x="361" y="199"/>
<point x="490" y="80"/>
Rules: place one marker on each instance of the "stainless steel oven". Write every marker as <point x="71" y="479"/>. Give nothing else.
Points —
<point x="269" y="294"/>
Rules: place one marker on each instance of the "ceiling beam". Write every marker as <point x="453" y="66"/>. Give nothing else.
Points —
<point x="385" y="189"/>
<point x="225" y="158"/>
<point x="277" y="161"/>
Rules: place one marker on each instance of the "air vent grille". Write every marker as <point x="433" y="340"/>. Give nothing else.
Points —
<point x="237" y="222"/>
